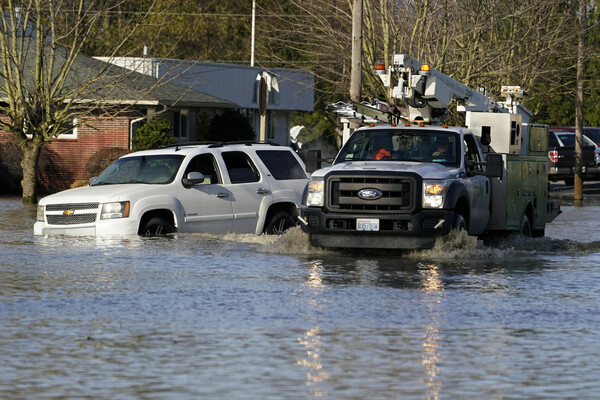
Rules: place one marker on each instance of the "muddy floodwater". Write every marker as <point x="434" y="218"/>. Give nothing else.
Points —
<point x="246" y="317"/>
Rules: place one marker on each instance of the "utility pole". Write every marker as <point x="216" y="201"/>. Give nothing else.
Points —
<point x="355" y="64"/>
<point x="356" y="72"/>
<point x="252" y="33"/>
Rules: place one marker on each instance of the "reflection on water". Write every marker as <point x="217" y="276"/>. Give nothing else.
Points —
<point x="433" y="288"/>
<point x="311" y="339"/>
<point x="244" y="316"/>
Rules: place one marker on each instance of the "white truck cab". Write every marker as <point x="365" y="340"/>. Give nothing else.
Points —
<point x="400" y="186"/>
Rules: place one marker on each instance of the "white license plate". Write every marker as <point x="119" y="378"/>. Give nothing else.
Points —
<point x="367" y="224"/>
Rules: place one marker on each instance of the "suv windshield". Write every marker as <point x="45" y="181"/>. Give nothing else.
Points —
<point x="402" y="145"/>
<point x="157" y="169"/>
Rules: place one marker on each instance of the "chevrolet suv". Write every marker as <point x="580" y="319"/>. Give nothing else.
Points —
<point x="217" y="188"/>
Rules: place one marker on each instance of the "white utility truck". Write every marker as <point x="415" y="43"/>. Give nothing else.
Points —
<point x="402" y="178"/>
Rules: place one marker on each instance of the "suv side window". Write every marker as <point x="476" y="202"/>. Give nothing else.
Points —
<point x="205" y="164"/>
<point x="240" y="167"/>
<point x="281" y="164"/>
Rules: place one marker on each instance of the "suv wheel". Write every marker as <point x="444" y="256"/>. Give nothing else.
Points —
<point x="279" y="223"/>
<point x="157" y="226"/>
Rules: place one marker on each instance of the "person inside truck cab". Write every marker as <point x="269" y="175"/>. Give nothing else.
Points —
<point x="442" y="149"/>
<point x="382" y="147"/>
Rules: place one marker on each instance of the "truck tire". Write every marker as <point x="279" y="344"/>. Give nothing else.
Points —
<point x="525" y="228"/>
<point x="157" y="226"/>
<point x="459" y="223"/>
<point x="279" y="222"/>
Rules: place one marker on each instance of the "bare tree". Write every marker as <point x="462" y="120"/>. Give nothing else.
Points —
<point x="41" y="91"/>
<point x="478" y="42"/>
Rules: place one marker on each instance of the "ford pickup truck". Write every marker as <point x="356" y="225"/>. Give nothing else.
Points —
<point x="561" y="155"/>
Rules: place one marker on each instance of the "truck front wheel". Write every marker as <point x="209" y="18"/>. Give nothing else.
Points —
<point x="525" y="229"/>
<point x="459" y="223"/>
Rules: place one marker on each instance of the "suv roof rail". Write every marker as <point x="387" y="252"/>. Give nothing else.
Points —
<point x="183" y="144"/>
<point x="217" y="144"/>
<point x="244" y="142"/>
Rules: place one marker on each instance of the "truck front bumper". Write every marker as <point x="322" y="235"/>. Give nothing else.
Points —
<point x="395" y="231"/>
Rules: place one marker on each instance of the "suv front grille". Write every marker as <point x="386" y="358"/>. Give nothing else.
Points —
<point x="398" y="193"/>
<point x="59" y="219"/>
<point x="67" y="214"/>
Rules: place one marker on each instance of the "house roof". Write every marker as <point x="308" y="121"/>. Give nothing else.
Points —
<point x="289" y="89"/>
<point x="114" y="85"/>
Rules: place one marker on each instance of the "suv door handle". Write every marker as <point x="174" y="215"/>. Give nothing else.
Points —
<point x="222" y="194"/>
<point x="262" y="191"/>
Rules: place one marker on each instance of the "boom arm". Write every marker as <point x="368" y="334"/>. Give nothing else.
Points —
<point x="428" y="92"/>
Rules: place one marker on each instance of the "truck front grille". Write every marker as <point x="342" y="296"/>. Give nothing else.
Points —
<point x="70" y="214"/>
<point x="398" y="193"/>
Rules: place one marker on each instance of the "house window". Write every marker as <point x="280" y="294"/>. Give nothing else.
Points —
<point x="180" y="124"/>
<point x="69" y="132"/>
<point x="274" y="91"/>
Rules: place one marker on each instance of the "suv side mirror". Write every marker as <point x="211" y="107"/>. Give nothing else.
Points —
<point x="313" y="160"/>
<point x="193" y="178"/>
<point x="494" y="165"/>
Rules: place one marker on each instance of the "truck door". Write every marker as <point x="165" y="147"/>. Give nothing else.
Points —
<point x="477" y="185"/>
<point x="206" y="207"/>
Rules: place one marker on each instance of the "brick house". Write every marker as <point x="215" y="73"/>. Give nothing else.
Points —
<point x="133" y="98"/>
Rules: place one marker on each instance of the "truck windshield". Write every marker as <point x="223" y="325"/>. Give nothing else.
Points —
<point x="156" y="169"/>
<point x="419" y="145"/>
<point x="568" y="139"/>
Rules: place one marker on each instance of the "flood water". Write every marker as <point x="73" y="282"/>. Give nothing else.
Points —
<point x="246" y="317"/>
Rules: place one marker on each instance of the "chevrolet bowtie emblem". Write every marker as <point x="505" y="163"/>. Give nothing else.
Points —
<point x="68" y="212"/>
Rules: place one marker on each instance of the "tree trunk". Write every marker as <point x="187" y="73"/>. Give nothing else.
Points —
<point x="581" y="33"/>
<point x="29" y="165"/>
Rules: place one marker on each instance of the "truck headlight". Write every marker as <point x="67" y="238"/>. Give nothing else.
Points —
<point x="434" y="193"/>
<point x="40" y="214"/>
<point x="115" y="210"/>
<point x="315" y="193"/>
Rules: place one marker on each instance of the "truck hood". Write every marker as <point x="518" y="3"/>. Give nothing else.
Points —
<point x="426" y="170"/>
<point x="99" y="194"/>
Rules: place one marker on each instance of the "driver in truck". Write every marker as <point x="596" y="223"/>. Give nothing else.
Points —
<point x="442" y="148"/>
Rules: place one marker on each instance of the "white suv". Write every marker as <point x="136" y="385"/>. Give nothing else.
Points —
<point x="217" y="188"/>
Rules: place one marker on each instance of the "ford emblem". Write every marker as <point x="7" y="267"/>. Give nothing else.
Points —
<point x="369" y="194"/>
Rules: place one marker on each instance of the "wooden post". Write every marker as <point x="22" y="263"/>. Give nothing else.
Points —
<point x="356" y="72"/>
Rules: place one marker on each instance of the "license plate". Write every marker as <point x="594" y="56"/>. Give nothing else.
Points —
<point x="367" y="224"/>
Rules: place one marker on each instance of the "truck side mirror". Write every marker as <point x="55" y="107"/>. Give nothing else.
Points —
<point x="313" y="160"/>
<point x="494" y="165"/>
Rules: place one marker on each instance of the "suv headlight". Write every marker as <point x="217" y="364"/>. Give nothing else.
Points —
<point x="40" y="214"/>
<point x="115" y="210"/>
<point x="315" y="193"/>
<point x="434" y="193"/>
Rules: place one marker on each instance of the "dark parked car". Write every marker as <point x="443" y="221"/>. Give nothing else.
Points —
<point x="591" y="132"/>
<point x="561" y="154"/>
